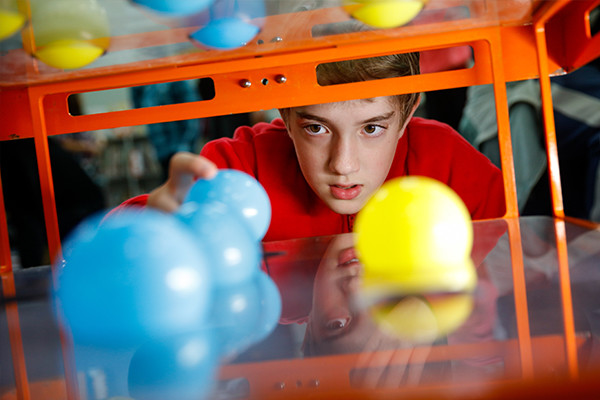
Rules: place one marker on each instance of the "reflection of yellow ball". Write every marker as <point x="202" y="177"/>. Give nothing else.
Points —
<point x="423" y="319"/>
<point x="10" y="22"/>
<point x="415" y="235"/>
<point x="384" y="13"/>
<point x="68" y="53"/>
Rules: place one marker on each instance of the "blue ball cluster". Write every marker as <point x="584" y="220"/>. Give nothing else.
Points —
<point x="185" y="290"/>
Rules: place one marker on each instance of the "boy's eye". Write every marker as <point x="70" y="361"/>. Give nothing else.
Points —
<point x="373" y="130"/>
<point x="337" y="324"/>
<point x="314" y="129"/>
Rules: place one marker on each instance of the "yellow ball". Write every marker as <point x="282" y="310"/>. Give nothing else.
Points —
<point x="384" y="13"/>
<point x="415" y="235"/>
<point x="69" y="53"/>
<point x="423" y="319"/>
<point x="10" y="22"/>
<point x="69" y="34"/>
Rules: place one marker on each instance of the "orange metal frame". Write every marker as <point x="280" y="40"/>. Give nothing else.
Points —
<point x="505" y="47"/>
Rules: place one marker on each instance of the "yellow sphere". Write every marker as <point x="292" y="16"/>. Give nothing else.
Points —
<point x="384" y="13"/>
<point x="69" y="33"/>
<point x="10" y="22"/>
<point x="68" y="53"/>
<point x="423" y="319"/>
<point x="415" y="236"/>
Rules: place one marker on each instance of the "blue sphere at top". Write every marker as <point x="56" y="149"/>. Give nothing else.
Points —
<point x="131" y="276"/>
<point x="243" y="195"/>
<point x="175" y="7"/>
<point x="226" y="33"/>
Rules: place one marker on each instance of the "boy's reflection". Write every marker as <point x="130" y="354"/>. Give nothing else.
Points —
<point x="338" y="324"/>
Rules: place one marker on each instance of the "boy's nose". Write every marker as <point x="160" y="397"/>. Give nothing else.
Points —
<point x="343" y="159"/>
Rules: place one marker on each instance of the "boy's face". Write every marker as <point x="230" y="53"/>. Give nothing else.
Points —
<point x="345" y="149"/>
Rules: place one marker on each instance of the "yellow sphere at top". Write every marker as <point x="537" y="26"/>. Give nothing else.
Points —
<point x="415" y="235"/>
<point x="384" y="13"/>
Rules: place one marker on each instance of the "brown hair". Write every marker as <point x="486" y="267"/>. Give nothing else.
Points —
<point x="364" y="69"/>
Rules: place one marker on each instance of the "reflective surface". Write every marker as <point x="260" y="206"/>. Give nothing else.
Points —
<point x="140" y="38"/>
<point x="513" y="331"/>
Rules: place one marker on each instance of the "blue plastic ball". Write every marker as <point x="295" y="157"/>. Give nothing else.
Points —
<point x="175" y="7"/>
<point x="245" y="314"/>
<point x="270" y="307"/>
<point x="179" y="368"/>
<point x="133" y="275"/>
<point x="225" y="33"/>
<point x="235" y="316"/>
<point x="234" y="253"/>
<point x="242" y="193"/>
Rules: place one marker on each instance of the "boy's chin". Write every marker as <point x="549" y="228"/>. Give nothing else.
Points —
<point x="345" y="207"/>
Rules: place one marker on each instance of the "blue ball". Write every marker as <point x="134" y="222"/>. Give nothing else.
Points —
<point x="182" y="368"/>
<point x="270" y="307"/>
<point x="133" y="275"/>
<point x="234" y="253"/>
<point x="246" y="313"/>
<point x="225" y="33"/>
<point x="175" y="7"/>
<point x="242" y="193"/>
<point x="235" y="314"/>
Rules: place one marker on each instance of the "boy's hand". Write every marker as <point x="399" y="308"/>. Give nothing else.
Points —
<point x="184" y="169"/>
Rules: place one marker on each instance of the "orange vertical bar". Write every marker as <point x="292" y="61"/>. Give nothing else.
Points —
<point x="45" y="173"/>
<point x="512" y="210"/>
<point x="504" y="139"/>
<point x="556" y="188"/>
<point x="5" y="255"/>
<point x="548" y="111"/>
<point x="520" y="294"/>
<point x="49" y="204"/>
<point x="12" y="312"/>
<point x="566" y="298"/>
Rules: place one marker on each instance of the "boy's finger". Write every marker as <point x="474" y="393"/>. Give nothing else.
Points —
<point x="193" y="164"/>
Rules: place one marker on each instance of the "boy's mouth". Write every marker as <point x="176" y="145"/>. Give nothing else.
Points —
<point x="345" y="192"/>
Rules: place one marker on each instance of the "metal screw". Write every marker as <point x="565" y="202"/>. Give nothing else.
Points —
<point x="280" y="79"/>
<point x="245" y="83"/>
<point x="277" y="39"/>
<point x="280" y="385"/>
<point x="314" y="383"/>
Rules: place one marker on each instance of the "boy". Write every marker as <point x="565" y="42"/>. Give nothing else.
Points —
<point x="320" y="163"/>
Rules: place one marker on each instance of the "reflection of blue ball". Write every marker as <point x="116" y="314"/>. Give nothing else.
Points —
<point x="241" y="192"/>
<point x="235" y="254"/>
<point x="245" y="314"/>
<point x="226" y="33"/>
<point x="175" y="7"/>
<point x="181" y="368"/>
<point x="270" y="307"/>
<point x="235" y="314"/>
<point x="133" y="275"/>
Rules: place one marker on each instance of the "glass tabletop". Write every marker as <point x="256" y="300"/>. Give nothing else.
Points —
<point x="329" y="341"/>
<point x="135" y="37"/>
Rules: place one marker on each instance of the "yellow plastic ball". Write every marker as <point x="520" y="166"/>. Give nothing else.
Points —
<point x="384" y="13"/>
<point x="423" y="319"/>
<point x="69" y="34"/>
<point x="415" y="235"/>
<point x="69" y="53"/>
<point x="10" y="22"/>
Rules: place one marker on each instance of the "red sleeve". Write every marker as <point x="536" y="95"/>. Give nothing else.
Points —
<point x="436" y="150"/>
<point x="137" y="201"/>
